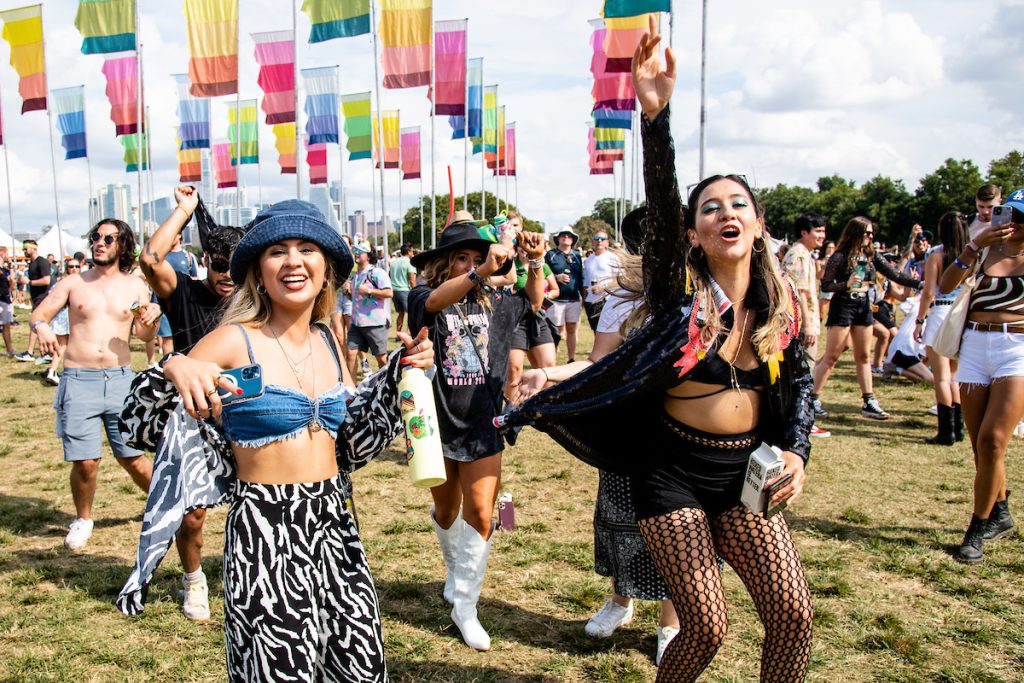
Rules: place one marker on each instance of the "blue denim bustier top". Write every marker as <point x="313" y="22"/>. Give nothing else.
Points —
<point x="282" y="412"/>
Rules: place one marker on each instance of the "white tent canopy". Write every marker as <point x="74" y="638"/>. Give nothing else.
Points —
<point x="48" y="243"/>
<point x="7" y="241"/>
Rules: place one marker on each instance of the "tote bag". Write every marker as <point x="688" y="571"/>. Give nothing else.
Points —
<point x="947" y="339"/>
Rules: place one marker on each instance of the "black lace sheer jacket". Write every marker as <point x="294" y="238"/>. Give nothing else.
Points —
<point x="605" y="414"/>
<point x="836" y="277"/>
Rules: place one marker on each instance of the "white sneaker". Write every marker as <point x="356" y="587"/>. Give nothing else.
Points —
<point x="78" y="534"/>
<point x="196" y="604"/>
<point x="52" y="378"/>
<point x="611" y="616"/>
<point x="934" y="410"/>
<point x="665" y="636"/>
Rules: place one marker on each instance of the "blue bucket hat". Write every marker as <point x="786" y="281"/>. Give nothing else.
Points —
<point x="290" y="219"/>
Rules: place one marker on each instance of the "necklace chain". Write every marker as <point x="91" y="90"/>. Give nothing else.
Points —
<point x="739" y="347"/>
<point x="1018" y="254"/>
<point x="294" y="366"/>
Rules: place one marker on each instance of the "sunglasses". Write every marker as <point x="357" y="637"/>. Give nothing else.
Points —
<point x="1017" y="216"/>
<point x="600" y="239"/>
<point x="75" y="267"/>
<point x="107" y="239"/>
<point x="868" y="233"/>
<point x="219" y="264"/>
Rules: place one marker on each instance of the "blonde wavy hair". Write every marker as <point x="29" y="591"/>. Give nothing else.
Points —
<point x="248" y="305"/>
<point x="437" y="271"/>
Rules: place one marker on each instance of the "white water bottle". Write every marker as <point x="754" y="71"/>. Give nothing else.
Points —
<point x="422" y="439"/>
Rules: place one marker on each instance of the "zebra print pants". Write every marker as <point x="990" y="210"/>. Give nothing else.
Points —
<point x="299" y="601"/>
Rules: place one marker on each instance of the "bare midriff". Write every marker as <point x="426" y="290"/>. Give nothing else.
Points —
<point x="306" y="458"/>
<point x="733" y="411"/>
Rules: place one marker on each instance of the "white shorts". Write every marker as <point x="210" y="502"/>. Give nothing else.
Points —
<point x="987" y="356"/>
<point x="6" y="313"/>
<point x="936" y="314"/>
<point x="562" y="312"/>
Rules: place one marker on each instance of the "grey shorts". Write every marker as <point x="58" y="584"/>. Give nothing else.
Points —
<point x="87" y="402"/>
<point x="373" y="339"/>
<point x="401" y="299"/>
<point x="6" y="313"/>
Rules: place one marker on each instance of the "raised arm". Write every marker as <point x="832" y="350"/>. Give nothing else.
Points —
<point x="452" y="291"/>
<point x="886" y="269"/>
<point x="153" y="260"/>
<point x="664" y="249"/>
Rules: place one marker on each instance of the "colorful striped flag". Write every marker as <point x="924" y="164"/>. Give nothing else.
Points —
<point x="190" y="164"/>
<point x="610" y="138"/>
<point x="474" y="104"/>
<point x="632" y="8"/>
<point x="284" y="143"/>
<point x="106" y="25"/>
<point x="316" y="160"/>
<point x="410" y="153"/>
<point x="450" y="67"/>
<point x="509" y="165"/>
<point x="69" y="106"/>
<point x="275" y="53"/>
<point x="490" y="136"/>
<point x="337" y="18"/>
<point x="356" y="110"/>
<point x="600" y="164"/>
<point x="620" y="41"/>
<point x="611" y="90"/>
<point x="193" y="116"/>
<point x="499" y="134"/>
<point x="613" y="118"/>
<point x="212" y="27"/>
<point x="321" y="86"/>
<point x="121" y="91"/>
<point x="23" y="29"/>
<point x="404" y="32"/>
<point x="226" y="175"/>
<point x="389" y="123"/>
<point x="250" y="142"/>
<point x="132" y="152"/>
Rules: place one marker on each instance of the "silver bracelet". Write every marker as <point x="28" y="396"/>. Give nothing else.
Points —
<point x="536" y="264"/>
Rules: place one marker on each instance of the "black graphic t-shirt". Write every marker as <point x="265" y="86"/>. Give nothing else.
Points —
<point x="193" y="310"/>
<point x="467" y="387"/>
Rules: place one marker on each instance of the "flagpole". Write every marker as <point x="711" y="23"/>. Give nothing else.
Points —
<point x="88" y="161"/>
<point x="703" y="84"/>
<point x="342" y="219"/>
<point x="506" y="165"/>
<point x="422" y="231"/>
<point x="373" y="195"/>
<point x="401" y="174"/>
<point x="483" y="140"/>
<point x="433" y="134"/>
<point x="380" y="112"/>
<point x="238" y="122"/>
<point x="295" y="77"/>
<point x="465" y="131"/>
<point x="7" y="177"/>
<point x="259" y="168"/>
<point x="149" y="171"/>
<point x="53" y="163"/>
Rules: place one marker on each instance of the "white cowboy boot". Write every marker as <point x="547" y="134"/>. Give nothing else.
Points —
<point x="470" y="567"/>
<point x="449" y="540"/>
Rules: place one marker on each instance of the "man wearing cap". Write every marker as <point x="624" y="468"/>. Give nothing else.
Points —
<point x="403" y="279"/>
<point x="371" y="313"/>
<point x="39" y="280"/>
<point x="567" y="265"/>
<point x="192" y="309"/>
<point x="105" y="307"/>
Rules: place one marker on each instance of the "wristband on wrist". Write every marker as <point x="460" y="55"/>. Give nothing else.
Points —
<point x="546" y="378"/>
<point x="919" y="321"/>
<point x="188" y="216"/>
<point x="536" y="264"/>
<point x="37" y="324"/>
<point x="973" y="246"/>
<point x="960" y="264"/>
<point x="474" y="276"/>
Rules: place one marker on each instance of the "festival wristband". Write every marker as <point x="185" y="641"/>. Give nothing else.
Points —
<point x="474" y="277"/>
<point x="960" y="264"/>
<point x="973" y="246"/>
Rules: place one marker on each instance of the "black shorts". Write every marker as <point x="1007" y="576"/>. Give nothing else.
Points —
<point x="593" y="312"/>
<point x="847" y="310"/>
<point x="532" y="331"/>
<point x="903" y="361"/>
<point x="690" y="472"/>
<point x="884" y="315"/>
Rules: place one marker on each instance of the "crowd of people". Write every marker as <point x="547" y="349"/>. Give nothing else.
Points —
<point x="712" y="335"/>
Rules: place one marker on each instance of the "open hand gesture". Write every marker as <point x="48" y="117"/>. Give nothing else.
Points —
<point x="653" y="83"/>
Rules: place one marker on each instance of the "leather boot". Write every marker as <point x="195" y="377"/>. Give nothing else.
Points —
<point x="945" y="435"/>
<point x="470" y="567"/>
<point x="1000" y="522"/>
<point x="449" y="541"/>
<point x="971" y="550"/>
<point x="958" y="422"/>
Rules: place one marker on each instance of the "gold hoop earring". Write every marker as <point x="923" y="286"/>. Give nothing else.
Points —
<point x="761" y="250"/>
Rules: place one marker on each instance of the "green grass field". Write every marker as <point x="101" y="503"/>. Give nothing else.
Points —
<point x="879" y="514"/>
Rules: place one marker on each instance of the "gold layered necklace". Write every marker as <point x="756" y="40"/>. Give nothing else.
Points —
<point x="736" y="354"/>
<point x="298" y="369"/>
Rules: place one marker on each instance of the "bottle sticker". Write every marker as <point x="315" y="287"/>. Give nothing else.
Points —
<point x="406" y="402"/>
<point x="419" y="426"/>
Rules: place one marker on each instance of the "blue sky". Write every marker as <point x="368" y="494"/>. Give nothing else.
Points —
<point x="797" y="90"/>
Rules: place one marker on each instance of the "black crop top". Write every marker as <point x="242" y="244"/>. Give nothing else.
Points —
<point x="715" y="370"/>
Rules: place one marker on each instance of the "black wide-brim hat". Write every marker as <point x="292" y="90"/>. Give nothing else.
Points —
<point x="290" y="219"/>
<point x="634" y="227"/>
<point x="460" y="235"/>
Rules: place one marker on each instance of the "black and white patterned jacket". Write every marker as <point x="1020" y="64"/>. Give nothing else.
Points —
<point x="194" y="468"/>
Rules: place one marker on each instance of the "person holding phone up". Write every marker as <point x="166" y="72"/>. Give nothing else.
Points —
<point x="290" y="540"/>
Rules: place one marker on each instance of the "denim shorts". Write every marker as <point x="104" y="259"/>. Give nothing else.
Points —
<point x="401" y="300"/>
<point x="88" y="401"/>
<point x="165" y="327"/>
<point x="987" y="356"/>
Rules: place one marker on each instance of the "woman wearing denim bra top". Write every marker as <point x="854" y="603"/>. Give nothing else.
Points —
<point x="289" y="539"/>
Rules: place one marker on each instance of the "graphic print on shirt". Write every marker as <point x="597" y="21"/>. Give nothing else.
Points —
<point x="461" y="366"/>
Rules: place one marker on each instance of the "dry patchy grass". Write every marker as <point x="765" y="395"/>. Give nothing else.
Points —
<point x="875" y="525"/>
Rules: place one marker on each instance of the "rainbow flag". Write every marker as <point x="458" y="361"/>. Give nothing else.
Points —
<point x="509" y="165"/>
<point x="23" y="29"/>
<point x="316" y="160"/>
<point x="337" y="18"/>
<point x="225" y="174"/>
<point x="275" y="53"/>
<point x="389" y="123"/>
<point x="69" y="106"/>
<point x="620" y="41"/>
<point x="601" y="163"/>
<point x="450" y="67"/>
<point x="490" y="137"/>
<point x="193" y="116"/>
<point x="499" y="161"/>
<point x="404" y="31"/>
<point x="474" y="104"/>
<point x="106" y="25"/>
<point x="132" y="152"/>
<point x="410" y="141"/>
<point x="611" y="90"/>
<point x="632" y="8"/>
<point x="358" y="129"/>
<point x="243" y="126"/>
<point x="321" y="86"/>
<point x="121" y="91"/>
<point x="212" y="27"/>
<point x="284" y="143"/>
<point x="190" y="164"/>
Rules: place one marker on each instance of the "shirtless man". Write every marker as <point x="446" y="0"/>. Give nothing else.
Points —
<point x="97" y="363"/>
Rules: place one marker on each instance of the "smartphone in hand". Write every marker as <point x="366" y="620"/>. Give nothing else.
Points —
<point x="248" y="378"/>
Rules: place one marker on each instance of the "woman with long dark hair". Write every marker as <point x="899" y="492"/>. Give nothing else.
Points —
<point x="933" y="309"/>
<point x="849" y="273"/>
<point x="991" y="367"/>
<point x="717" y="371"/>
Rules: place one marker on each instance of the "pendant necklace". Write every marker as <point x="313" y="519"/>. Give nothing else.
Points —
<point x="314" y="424"/>
<point x="739" y="346"/>
<point x="296" y="366"/>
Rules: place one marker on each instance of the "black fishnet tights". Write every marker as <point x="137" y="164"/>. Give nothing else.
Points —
<point x="683" y="544"/>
